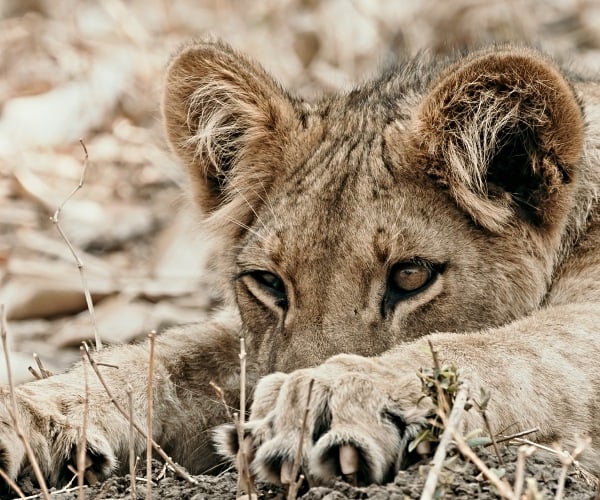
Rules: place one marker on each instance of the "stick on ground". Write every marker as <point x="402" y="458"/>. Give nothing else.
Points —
<point x="503" y="439"/>
<point x="452" y="424"/>
<point x="43" y="371"/>
<point x="297" y="481"/>
<point x="56" y="221"/>
<point x="567" y="459"/>
<point x="589" y="478"/>
<point x="131" y="443"/>
<point x="12" y="484"/>
<point x="524" y="453"/>
<point x="221" y="395"/>
<point x="14" y="412"/>
<point x="244" y="478"/>
<point x="482" y="405"/>
<point x="504" y="489"/>
<point x="176" y="468"/>
<point x="149" y="416"/>
<point x="82" y="444"/>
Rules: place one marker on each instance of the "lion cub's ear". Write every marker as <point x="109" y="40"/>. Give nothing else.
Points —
<point x="227" y="119"/>
<point x="503" y="132"/>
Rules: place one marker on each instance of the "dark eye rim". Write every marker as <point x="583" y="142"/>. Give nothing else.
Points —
<point x="394" y="294"/>
<point x="259" y="276"/>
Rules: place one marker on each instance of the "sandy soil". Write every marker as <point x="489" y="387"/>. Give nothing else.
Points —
<point x="460" y="480"/>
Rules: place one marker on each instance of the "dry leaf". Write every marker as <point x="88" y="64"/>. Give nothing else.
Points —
<point x="66" y="113"/>
<point x="119" y="320"/>
<point x="179" y="265"/>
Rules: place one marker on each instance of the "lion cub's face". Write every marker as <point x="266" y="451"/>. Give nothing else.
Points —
<point x="352" y="251"/>
<point x="414" y="204"/>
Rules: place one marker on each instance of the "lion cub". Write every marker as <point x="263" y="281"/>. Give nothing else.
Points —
<point x="450" y="201"/>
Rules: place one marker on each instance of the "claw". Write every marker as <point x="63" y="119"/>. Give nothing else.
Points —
<point x="286" y="473"/>
<point x="248" y="448"/>
<point x="90" y="477"/>
<point x="243" y="459"/>
<point x="348" y="457"/>
<point x="424" y="448"/>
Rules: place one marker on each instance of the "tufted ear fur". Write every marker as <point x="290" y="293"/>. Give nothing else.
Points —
<point x="228" y="120"/>
<point x="503" y="131"/>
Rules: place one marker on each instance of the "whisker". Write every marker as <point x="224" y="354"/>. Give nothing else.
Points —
<point x="252" y="208"/>
<point x="199" y="394"/>
<point x="246" y="227"/>
<point x="231" y="468"/>
<point x="266" y="200"/>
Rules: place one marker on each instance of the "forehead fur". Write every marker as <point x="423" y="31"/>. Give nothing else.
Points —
<point x="450" y="121"/>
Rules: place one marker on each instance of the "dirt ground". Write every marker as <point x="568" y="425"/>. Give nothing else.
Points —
<point x="460" y="480"/>
<point x="93" y="70"/>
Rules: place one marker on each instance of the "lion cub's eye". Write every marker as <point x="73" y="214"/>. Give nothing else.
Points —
<point x="267" y="282"/>
<point x="405" y="280"/>
<point x="270" y="282"/>
<point x="410" y="277"/>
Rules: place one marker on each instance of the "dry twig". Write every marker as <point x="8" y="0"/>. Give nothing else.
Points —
<point x="43" y="371"/>
<point x="504" y="489"/>
<point x="35" y="374"/>
<point x="296" y="481"/>
<point x="482" y="406"/>
<point x="441" y="385"/>
<point x="443" y="397"/>
<point x="221" y="396"/>
<point x="14" y="412"/>
<point x="56" y="221"/>
<point x="503" y="439"/>
<point x="244" y="478"/>
<point x="67" y="488"/>
<point x="176" y="468"/>
<point x="589" y="478"/>
<point x="451" y="426"/>
<point x="149" y="415"/>
<point x="73" y="471"/>
<point x="82" y="444"/>
<point x="567" y="459"/>
<point x="244" y="482"/>
<point x="11" y="483"/>
<point x="524" y="453"/>
<point x="162" y="473"/>
<point x="131" y="442"/>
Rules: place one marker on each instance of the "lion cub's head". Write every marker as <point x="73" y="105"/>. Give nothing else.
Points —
<point x="431" y="199"/>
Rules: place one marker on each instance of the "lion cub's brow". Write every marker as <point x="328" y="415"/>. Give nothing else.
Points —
<point x="349" y="212"/>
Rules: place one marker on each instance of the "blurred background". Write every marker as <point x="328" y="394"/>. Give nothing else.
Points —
<point x="93" y="70"/>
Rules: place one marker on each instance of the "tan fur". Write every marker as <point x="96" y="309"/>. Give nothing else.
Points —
<point x="482" y="172"/>
<point x="469" y="112"/>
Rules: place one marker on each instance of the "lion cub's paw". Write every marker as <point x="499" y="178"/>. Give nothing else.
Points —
<point x="360" y="418"/>
<point x="12" y="450"/>
<point x="53" y="438"/>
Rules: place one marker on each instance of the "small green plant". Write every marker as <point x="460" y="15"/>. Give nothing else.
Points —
<point x="439" y="383"/>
